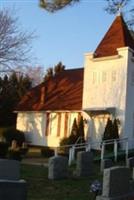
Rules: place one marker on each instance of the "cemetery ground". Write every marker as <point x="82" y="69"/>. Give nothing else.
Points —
<point x="41" y="188"/>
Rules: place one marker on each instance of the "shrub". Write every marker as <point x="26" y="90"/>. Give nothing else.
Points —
<point x="14" y="154"/>
<point x="3" y="149"/>
<point x="68" y="141"/>
<point x="111" y="132"/>
<point x="14" y="134"/>
<point x="77" y="131"/>
<point x="108" y="130"/>
<point x="47" y="152"/>
<point x="23" y="150"/>
<point x="81" y="130"/>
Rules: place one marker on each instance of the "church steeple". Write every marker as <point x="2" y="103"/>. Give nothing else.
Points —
<point x="117" y="36"/>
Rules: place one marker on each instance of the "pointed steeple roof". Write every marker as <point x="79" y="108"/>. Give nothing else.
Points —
<point x="117" y="36"/>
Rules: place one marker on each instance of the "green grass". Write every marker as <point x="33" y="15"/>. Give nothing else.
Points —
<point x="40" y="188"/>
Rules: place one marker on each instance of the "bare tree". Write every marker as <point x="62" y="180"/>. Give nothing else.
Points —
<point x="35" y="73"/>
<point x="118" y="6"/>
<point x="14" y="43"/>
<point x="130" y="22"/>
<point x="115" y="6"/>
<point x="54" y="5"/>
<point x="112" y="7"/>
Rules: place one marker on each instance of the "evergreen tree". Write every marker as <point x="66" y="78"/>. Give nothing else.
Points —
<point x="81" y="130"/>
<point x="108" y="130"/>
<point x="115" y="130"/>
<point x="74" y="128"/>
<point x="74" y="132"/>
<point x="49" y="74"/>
<point x="59" y="68"/>
<point x="108" y="134"/>
<point x="11" y="90"/>
<point x="73" y="135"/>
<point x="111" y="132"/>
<point x="52" y="71"/>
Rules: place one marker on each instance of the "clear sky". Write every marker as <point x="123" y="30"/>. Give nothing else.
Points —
<point x="65" y="35"/>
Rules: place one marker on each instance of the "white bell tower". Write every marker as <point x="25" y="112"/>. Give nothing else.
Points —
<point x="109" y="83"/>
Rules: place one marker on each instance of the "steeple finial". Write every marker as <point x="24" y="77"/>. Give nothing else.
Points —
<point x="119" y="9"/>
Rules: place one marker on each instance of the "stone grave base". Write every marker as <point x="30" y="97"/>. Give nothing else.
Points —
<point x="15" y="190"/>
<point x="124" y="197"/>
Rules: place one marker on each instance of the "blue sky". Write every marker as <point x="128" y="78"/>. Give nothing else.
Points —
<point x="65" y="35"/>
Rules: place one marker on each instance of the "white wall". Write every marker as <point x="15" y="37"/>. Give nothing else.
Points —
<point x="34" y="125"/>
<point x="105" y="86"/>
<point x="129" y="115"/>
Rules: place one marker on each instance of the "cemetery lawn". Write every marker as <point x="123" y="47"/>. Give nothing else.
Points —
<point x="40" y="188"/>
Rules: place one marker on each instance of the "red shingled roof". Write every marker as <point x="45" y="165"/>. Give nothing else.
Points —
<point x="62" y="92"/>
<point x="117" y="36"/>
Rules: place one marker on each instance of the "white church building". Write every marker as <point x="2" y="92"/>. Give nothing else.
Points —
<point x="103" y="88"/>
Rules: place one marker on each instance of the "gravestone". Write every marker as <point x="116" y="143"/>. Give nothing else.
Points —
<point x="116" y="181"/>
<point x="13" y="190"/>
<point x="84" y="164"/>
<point x="11" y="187"/>
<point x="58" y="167"/>
<point x="9" y="169"/>
<point x="116" y="184"/>
<point x="106" y="163"/>
<point x="130" y="162"/>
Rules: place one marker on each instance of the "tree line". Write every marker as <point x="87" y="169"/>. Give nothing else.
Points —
<point x="12" y="88"/>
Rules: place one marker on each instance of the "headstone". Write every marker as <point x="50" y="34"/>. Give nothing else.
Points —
<point x="133" y="174"/>
<point x="116" y="184"/>
<point x="11" y="187"/>
<point x="58" y="167"/>
<point x="16" y="190"/>
<point x="130" y="162"/>
<point x="9" y="169"/>
<point x="84" y="164"/>
<point x="106" y="163"/>
<point x="132" y="181"/>
<point x="116" y="181"/>
<point x="132" y="187"/>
